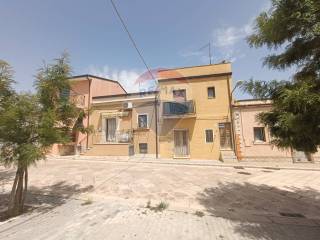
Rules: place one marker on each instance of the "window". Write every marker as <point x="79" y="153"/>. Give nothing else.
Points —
<point x="179" y="95"/>
<point x="111" y="126"/>
<point x="143" y="148"/>
<point x="209" y="135"/>
<point x="65" y="93"/>
<point x="142" y="121"/>
<point x="259" y="134"/>
<point x="211" y="92"/>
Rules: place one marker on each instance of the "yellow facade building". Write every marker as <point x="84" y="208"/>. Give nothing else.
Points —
<point x="195" y="119"/>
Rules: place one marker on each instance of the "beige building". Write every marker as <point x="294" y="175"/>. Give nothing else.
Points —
<point x="253" y="139"/>
<point x="195" y="119"/>
<point x="123" y="125"/>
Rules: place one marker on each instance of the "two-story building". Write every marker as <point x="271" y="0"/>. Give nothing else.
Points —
<point x="195" y="116"/>
<point x="83" y="89"/>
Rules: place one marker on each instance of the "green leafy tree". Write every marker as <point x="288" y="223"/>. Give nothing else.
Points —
<point x="31" y="123"/>
<point x="292" y="29"/>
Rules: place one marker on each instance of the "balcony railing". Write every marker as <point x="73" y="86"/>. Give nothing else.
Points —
<point x="121" y="136"/>
<point x="78" y="100"/>
<point x="178" y="108"/>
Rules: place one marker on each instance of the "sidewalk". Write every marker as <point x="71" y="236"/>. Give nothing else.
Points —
<point x="115" y="220"/>
<point x="194" y="162"/>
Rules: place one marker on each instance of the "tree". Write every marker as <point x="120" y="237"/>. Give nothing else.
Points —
<point x="293" y="27"/>
<point x="31" y="123"/>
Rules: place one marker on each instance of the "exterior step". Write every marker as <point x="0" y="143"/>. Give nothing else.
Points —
<point x="228" y="156"/>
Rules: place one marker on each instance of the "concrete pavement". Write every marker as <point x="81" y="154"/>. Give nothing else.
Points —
<point x="238" y="203"/>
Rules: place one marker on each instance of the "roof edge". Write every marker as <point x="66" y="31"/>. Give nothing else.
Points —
<point x="126" y="94"/>
<point x="206" y="65"/>
<point x="197" y="76"/>
<point x="97" y="77"/>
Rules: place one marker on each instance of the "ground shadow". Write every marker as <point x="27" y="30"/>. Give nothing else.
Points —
<point x="45" y="198"/>
<point x="257" y="208"/>
<point x="6" y="176"/>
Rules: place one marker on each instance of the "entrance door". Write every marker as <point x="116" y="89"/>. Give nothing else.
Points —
<point x="111" y="126"/>
<point x="181" y="146"/>
<point x="225" y="135"/>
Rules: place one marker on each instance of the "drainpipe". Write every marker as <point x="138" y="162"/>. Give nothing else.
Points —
<point x="231" y="118"/>
<point x="89" y="104"/>
<point x="156" y="116"/>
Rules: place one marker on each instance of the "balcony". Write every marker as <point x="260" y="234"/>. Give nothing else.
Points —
<point x="178" y="109"/>
<point x="117" y="137"/>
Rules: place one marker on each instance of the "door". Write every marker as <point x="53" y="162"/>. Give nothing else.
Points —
<point x="225" y="135"/>
<point x="111" y="126"/>
<point x="181" y="143"/>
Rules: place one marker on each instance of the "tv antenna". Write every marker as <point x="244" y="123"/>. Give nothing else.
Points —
<point x="208" y="46"/>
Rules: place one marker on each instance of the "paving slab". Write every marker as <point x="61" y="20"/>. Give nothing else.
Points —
<point x="237" y="203"/>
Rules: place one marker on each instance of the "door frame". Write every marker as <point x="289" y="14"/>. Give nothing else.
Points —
<point x="188" y="142"/>
<point x="231" y="139"/>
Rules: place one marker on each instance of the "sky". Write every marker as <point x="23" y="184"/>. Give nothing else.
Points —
<point x="168" y="33"/>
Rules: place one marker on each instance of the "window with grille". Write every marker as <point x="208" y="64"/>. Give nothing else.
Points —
<point x="209" y="135"/>
<point x="142" y="121"/>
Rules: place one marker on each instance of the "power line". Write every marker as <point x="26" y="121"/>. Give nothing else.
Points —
<point x="131" y="39"/>
<point x="145" y="64"/>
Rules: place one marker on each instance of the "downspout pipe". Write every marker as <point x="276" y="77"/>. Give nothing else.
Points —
<point x="89" y="104"/>
<point x="156" y="116"/>
<point x="234" y="147"/>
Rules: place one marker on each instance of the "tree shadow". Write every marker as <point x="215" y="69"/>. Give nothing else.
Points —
<point x="41" y="199"/>
<point x="6" y="176"/>
<point x="257" y="210"/>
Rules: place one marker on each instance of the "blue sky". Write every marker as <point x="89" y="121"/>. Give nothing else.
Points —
<point x="169" y="33"/>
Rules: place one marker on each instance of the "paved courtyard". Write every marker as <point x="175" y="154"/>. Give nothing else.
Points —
<point x="83" y="199"/>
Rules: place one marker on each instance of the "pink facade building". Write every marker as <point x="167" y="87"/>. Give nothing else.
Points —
<point x="253" y="139"/>
<point x="83" y="89"/>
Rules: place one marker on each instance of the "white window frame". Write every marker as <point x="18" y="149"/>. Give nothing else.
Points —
<point x="205" y="135"/>
<point x="103" y="130"/>
<point x="139" y="114"/>
<point x="264" y="135"/>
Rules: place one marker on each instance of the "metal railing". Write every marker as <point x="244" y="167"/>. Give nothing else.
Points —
<point x="120" y="136"/>
<point x="178" y="108"/>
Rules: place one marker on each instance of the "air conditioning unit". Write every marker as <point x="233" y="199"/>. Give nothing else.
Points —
<point x="127" y="105"/>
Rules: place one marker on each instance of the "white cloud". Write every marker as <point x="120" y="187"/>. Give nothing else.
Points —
<point x="224" y="46"/>
<point x="225" y="41"/>
<point x="127" y="78"/>
<point x="229" y="36"/>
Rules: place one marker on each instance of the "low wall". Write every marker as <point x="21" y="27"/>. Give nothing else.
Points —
<point x="108" y="150"/>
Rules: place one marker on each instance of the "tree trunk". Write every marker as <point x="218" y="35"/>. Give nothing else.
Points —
<point x="18" y="192"/>
<point x="309" y="157"/>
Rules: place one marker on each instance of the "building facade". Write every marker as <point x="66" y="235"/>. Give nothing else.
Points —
<point x="123" y="125"/>
<point x="192" y="115"/>
<point x="195" y="119"/>
<point x="83" y="89"/>
<point x="253" y="139"/>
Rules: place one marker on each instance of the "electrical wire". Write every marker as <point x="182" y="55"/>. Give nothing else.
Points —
<point x="124" y="25"/>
